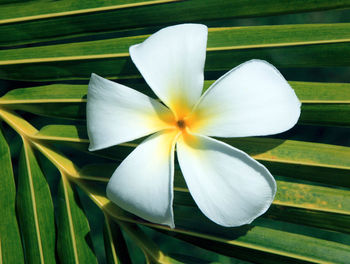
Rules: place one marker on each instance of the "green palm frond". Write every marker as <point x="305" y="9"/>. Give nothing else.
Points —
<point x="52" y="194"/>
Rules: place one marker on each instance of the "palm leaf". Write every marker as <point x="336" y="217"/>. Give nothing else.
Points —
<point x="284" y="46"/>
<point x="115" y="244"/>
<point x="48" y="51"/>
<point x="73" y="226"/>
<point x="35" y="209"/>
<point x="10" y="241"/>
<point x="31" y="21"/>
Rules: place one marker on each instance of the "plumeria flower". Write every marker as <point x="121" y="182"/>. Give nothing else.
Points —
<point x="229" y="187"/>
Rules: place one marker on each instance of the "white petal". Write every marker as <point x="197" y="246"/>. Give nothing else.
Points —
<point x="229" y="187"/>
<point x="253" y="99"/>
<point x="172" y="63"/>
<point x="143" y="183"/>
<point x="117" y="114"/>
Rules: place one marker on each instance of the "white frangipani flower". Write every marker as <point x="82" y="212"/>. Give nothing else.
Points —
<point x="229" y="187"/>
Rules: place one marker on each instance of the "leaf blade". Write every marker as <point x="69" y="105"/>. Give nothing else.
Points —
<point x="115" y="245"/>
<point x="284" y="46"/>
<point x="294" y="202"/>
<point x="10" y="241"/>
<point x="28" y="22"/>
<point x="73" y="226"/>
<point x="278" y="239"/>
<point x="35" y="209"/>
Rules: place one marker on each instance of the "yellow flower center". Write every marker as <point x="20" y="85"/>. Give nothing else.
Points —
<point x="181" y="124"/>
<point x="183" y="119"/>
<point x="184" y="123"/>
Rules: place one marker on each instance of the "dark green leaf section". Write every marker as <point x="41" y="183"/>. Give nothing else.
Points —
<point x="35" y="209"/>
<point x="300" y="203"/>
<point x="270" y="241"/>
<point x="75" y="111"/>
<point x="326" y="114"/>
<point x="321" y="219"/>
<point x="320" y="45"/>
<point x="277" y="241"/>
<point x="72" y="246"/>
<point x="238" y="8"/>
<point x="238" y="252"/>
<point x="218" y="38"/>
<point x="234" y="251"/>
<point x="28" y="29"/>
<point x="115" y="245"/>
<point x="326" y="55"/>
<point x="34" y="8"/>
<point x="10" y="241"/>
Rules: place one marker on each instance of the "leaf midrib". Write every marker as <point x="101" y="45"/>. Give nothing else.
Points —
<point x="70" y="220"/>
<point x="110" y="239"/>
<point x="82" y="11"/>
<point x="126" y="54"/>
<point x="31" y="186"/>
